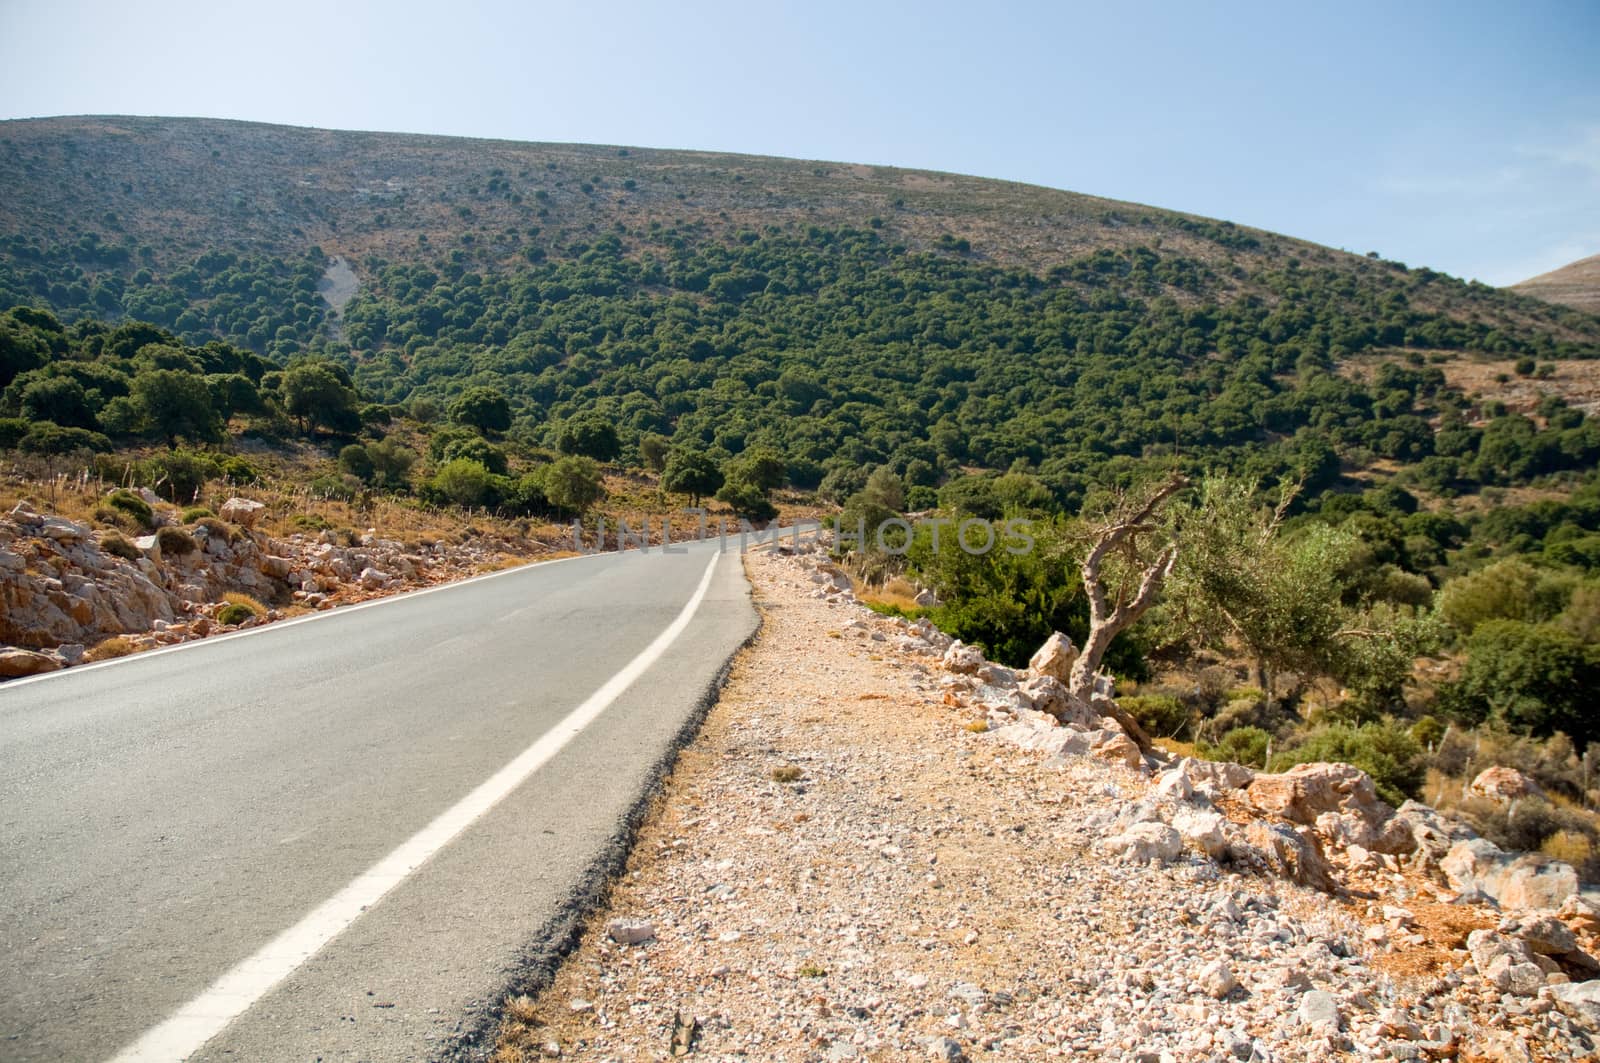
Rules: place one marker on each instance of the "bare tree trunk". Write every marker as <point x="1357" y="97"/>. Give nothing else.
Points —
<point x="1107" y="617"/>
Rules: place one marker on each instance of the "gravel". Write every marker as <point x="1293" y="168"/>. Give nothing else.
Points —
<point x="923" y="889"/>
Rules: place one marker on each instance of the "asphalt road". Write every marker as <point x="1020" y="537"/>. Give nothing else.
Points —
<point x="166" y="817"/>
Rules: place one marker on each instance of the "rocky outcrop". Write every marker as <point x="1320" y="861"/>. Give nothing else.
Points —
<point x="1511" y="880"/>
<point x="1338" y="800"/>
<point x="1055" y="658"/>
<point x="65" y="586"/>
<point x="1503" y="784"/>
<point x="242" y="511"/>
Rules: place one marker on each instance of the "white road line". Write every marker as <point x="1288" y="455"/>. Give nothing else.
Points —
<point x="192" y="1025"/>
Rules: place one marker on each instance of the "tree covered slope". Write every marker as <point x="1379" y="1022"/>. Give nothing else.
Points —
<point x="842" y="315"/>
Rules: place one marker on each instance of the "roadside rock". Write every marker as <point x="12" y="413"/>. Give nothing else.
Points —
<point x="1320" y="1010"/>
<point x="1580" y="1001"/>
<point x="1117" y="748"/>
<point x="1432" y="834"/>
<point x="1306" y="791"/>
<point x="1513" y="881"/>
<point x="15" y="663"/>
<point x="1203" y="829"/>
<point x="1504" y="784"/>
<point x="244" y="512"/>
<point x="1541" y="932"/>
<point x="1143" y="842"/>
<point x="963" y="659"/>
<point x="1286" y="851"/>
<point x="1217" y="980"/>
<point x="631" y="931"/>
<point x="1055" y="658"/>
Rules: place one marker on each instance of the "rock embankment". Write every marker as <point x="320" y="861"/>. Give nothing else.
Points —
<point x="66" y="588"/>
<point x="883" y="846"/>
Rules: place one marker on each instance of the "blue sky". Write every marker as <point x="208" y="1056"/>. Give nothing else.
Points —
<point x="1462" y="136"/>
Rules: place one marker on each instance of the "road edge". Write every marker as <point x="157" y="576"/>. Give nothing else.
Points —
<point x="559" y="936"/>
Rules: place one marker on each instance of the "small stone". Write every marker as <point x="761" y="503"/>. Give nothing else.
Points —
<point x="1217" y="980"/>
<point x="1319" y="1008"/>
<point x="631" y="931"/>
<point x="947" y="1049"/>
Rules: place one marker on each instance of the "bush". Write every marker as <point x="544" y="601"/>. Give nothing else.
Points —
<point x="355" y="460"/>
<point x="254" y="605"/>
<point x="177" y="476"/>
<point x="194" y="513"/>
<point x="234" y="614"/>
<point x="572" y="483"/>
<point x="461" y="482"/>
<point x="125" y="501"/>
<point x="747" y="500"/>
<point x="12" y="429"/>
<point x="1386" y="751"/>
<point x="47" y="438"/>
<point x="1247" y="745"/>
<point x="1161" y="715"/>
<point x="1530" y="824"/>
<point x="118" y="546"/>
<point x="1534" y="678"/>
<point x="343" y="488"/>
<point x="218" y="529"/>
<point x="175" y="542"/>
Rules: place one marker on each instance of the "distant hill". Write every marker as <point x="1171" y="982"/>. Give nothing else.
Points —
<point x="1576" y="284"/>
<point x="841" y="315"/>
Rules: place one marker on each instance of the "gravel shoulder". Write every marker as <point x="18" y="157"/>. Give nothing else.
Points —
<point x="847" y="864"/>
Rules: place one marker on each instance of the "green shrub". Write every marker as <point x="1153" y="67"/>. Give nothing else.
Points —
<point x="460" y="482"/>
<point x="572" y="483"/>
<point x="12" y="429"/>
<point x="234" y="613"/>
<point x="178" y="475"/>
<point x="131" y="504"/>
<point x="1161" y="715"/>
<point x="47" y="438"/>
<point x="1247" y="745"/>
<point x="344" y="488"/>
<point x="175" y="542"/>
<point x="239" y="470"/>
<point x="1428" y="731"/>
<point x="1534" y="678"/>
<point x="1386" y="751"/>
<point x="747" y="500"/>
<point x="194" y="513"/>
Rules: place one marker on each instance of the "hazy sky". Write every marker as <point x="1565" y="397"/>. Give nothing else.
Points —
<point x="1463" y="136"/>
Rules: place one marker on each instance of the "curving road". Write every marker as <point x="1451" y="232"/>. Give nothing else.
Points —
<point x="339" y="838"/>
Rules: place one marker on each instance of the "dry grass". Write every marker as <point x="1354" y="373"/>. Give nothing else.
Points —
<point x="111" y="648"/>
<point x="1445" y="928"/>
<point x="1568" y="845"/>
<point x="896" y="593"/>
<point x="519" y="1026"/>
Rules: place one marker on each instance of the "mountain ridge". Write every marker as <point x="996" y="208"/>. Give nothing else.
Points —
<point x="1577" y="284"/>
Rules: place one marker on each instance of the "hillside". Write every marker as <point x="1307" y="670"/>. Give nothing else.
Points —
<point x="1576" y="284"/>
<point x="841" y="315"/>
